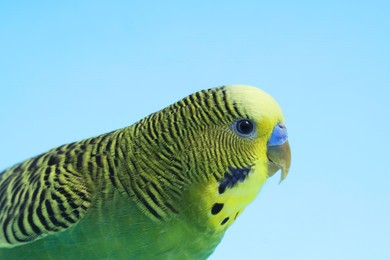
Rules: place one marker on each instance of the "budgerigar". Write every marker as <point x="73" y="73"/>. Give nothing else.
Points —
<point x="166" y="187"/>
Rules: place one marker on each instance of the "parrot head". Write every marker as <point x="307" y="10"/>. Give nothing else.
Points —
<point x="267" y="119"/>
<point x="219" y="146"/>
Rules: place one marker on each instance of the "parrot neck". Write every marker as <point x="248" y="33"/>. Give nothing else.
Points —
<point x="156" y="181"/>
<point x="164" y="183"/>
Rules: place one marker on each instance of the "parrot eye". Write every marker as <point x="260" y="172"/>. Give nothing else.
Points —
<point x="244" y="127"/>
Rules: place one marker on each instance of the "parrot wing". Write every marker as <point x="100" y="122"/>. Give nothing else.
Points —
<point x="41" y="196"/>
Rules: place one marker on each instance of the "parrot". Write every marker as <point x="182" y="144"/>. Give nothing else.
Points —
<point x="165" y="187"/>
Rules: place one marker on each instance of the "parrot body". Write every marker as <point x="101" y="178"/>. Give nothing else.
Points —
<point x="166" y="187"/>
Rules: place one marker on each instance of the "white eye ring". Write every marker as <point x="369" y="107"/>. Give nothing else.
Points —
<point x="244" y="127"/>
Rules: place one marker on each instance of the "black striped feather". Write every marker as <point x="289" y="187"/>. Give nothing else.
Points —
<point x="40" y="196"/>
<point x="152" y="161"/>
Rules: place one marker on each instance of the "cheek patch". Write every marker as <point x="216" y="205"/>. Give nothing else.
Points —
<point x="232" y="177"/>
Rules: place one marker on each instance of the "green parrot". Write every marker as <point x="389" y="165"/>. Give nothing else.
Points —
<point x="166" y="187"/>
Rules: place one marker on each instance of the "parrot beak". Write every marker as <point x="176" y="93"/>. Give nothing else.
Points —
<point x="278" y="152"/>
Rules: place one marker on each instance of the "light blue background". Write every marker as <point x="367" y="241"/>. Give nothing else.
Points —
<point x="75" y="69"/>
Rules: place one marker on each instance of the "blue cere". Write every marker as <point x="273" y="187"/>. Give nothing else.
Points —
<point x="279" y="135"/>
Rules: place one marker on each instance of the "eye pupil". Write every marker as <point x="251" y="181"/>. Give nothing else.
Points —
<point x="245" y="127"/>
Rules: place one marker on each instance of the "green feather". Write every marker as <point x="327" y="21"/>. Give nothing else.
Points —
<point x="150" y="190"/>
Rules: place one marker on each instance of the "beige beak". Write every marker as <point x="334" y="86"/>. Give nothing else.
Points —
<point x="279" y="158"/>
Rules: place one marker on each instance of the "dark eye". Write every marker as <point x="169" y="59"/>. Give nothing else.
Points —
<point x="244" y="127"/>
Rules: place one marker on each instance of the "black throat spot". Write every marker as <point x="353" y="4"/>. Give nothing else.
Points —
<point x="232" y="177"/>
